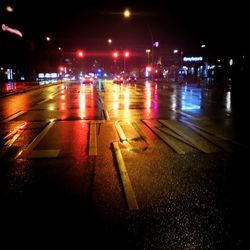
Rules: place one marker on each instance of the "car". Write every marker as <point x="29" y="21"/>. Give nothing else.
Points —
<point x="118" y="79"/>
<point x="88" y="79"/>
<point x="132" y="79"/>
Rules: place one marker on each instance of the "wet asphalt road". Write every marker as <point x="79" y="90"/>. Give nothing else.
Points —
<point x="185" y="152"/>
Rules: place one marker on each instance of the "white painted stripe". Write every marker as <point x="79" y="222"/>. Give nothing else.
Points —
<point x="215" y="140"/>
<point x="196" y="140"/>
<point x="50" y="98"/>
<point x="48" y="153"/>
<point x="165" y="138"/>
<point x="120" y="132"/>
<point x="24" y="153"/>
<point x="106" y="114"/>
<point x="19" y="113"/>
<point x="187" y="115"/>
<point x="127" y="186"/>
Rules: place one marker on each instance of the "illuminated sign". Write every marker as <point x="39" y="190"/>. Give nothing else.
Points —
<point x="193" y="59"/>
<point x="9" y="74"/>
<point x="13" y="31"/>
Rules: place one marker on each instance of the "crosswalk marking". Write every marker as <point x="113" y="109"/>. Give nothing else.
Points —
<point x="208" y="130"/>
<point x="12" y="117"/>
<point x="120" y="132"/>
<point x="224" y="145"/>
<point x="171" y="142"/>
<point x="48" y="153"/>
<point x="188" y="134"/>
<point x="24" y="153"/>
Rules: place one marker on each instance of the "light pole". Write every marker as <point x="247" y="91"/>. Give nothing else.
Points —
<point x="126" y="55"/>
<point x="148" y="52"/>
<point x="126" y="13"/>
<point x="115" y="55"/>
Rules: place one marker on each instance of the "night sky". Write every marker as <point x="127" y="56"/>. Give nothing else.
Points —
<point x="175" y="24"/>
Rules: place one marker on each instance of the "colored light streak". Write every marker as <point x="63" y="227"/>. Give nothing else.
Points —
<point x="11" y="30"/>
<point x="82" y="102"/>
<point x="148" y="96"/>
<point x="228" y="102"/>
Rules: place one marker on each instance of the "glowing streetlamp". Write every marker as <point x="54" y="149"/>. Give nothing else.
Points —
<point x="148" y="52"/>
<point x="9" y="8"/>
<point x="127" y="13"/>
<point x="109" y="40"/>
<point x="48" y="39"/>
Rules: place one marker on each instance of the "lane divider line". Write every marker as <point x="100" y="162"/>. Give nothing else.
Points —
<point x="126" y="183"/>
<point x="25" y="152"/>
<point x="19" y="113"/>
<point x="92" y="140"/>
<point x="106" y="114"/>
<point x="120" y="132"/>
<point x="50" y="98"/>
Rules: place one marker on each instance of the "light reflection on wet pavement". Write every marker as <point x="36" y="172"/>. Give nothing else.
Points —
<point x="186" y="201"/>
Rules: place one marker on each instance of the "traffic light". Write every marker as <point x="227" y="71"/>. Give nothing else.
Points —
<point x="115" y="54"/>
<point x="61" y="68"/>
<point x="126" y="54"/>
<point x="80" y="54"/>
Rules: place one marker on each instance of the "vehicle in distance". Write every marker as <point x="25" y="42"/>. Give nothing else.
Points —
<point x="88" y="79"/>
<point x="132" y="79"/>
<point x="118" y="79"/>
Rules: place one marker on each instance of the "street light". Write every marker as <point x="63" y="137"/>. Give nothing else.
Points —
<point x="48" y="39"/>
<point x="126" y="13"/>
<point x="109" y="40"/>
<point x="126" y="55"/>
<point x="9" y="8"/>
<point x="148" y="52"/>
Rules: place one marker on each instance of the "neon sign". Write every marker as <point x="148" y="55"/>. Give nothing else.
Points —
<point x="193" y="59"/>
<point x="11" y="30"/>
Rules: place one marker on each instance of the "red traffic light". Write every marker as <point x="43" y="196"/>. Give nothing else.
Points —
<point x="126" y="54"/>
<point x="115" y="54"/>
<point x="61" y="68"/>
<point x="80" y="53"/>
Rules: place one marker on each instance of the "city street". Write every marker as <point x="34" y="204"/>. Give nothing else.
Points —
<point x="144" y="165"/>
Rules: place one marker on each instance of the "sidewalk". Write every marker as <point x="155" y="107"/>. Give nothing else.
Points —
<point x="11" y="88"/>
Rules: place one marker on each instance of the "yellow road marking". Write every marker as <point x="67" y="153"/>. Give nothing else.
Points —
<point x="127" y="186"/>
<point x="92" y="139"/>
